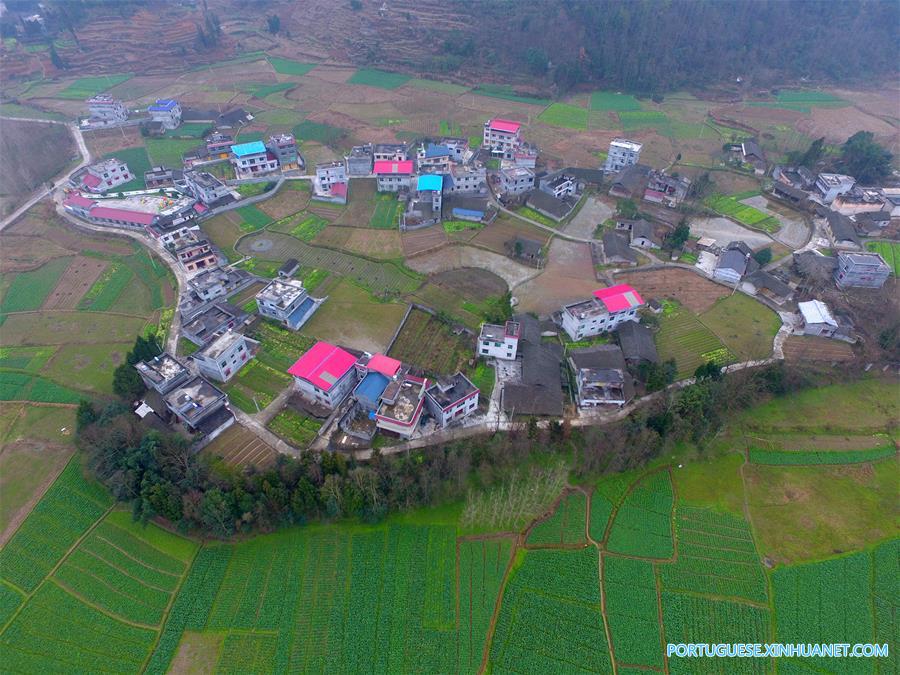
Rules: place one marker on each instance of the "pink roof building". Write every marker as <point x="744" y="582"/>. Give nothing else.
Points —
<point x="507" y="126"/>
<point x="78" y="200"/>
<point x="90" y="180"/>
<point x="619" y="298"/>
<point x="323" y="365"/>
<point x="391" y="167"/>
<point x="339" y="189"/>
<point x="122" y="215"/>
<point x="384" y="364"/>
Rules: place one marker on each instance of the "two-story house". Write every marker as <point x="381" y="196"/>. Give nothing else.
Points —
<point x="451" y="399"/>
<point x="252" y="159"/>
<point x="499" y="342"/>
<point x="225" y="355"/>
<point x="325" y="374"/>
<point x="392" y="175"/>
<point x="608" y="308"/>
<point x="286" y="301"/>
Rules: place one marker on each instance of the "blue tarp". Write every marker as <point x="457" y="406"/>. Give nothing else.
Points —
<point x="430" y="181"/>
<point x="371" y="387"/>
<point x="467" y="214"/>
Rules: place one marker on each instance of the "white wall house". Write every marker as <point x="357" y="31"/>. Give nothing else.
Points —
<point x="286" y="301"/>
<point x="830" y="185"/>
<point x="602" y="313"/>
<point x="167" y="112"/>
<point x="499" y="342"/>
<point x="502" y="137"/>
<point x="393" y="176"/>
<point x="252" y="159"/>
<point x="622" y="153"/>
<point x="222" y="358"/>
<point x="451" y="399"/>
<point x="325" y="374"/>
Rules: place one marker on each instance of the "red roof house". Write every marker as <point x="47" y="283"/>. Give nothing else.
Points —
<point x="507" y="126"/>
<point x="619" y="298"/>
<point x="90" y="180"/>
<point x="75" y="199"/>
<point x="134" y="217"/>
<point x="384" y="364"/>
<point x="386" y="166"/>
<point x="323" y="365"/>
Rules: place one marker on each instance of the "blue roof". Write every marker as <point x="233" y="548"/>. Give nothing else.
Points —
<point x="372" y="386"/>
<point x="430" y="181"/>
<point x="436" y="150"/>
<point x="301" y="310"/>
<point x="252" y="148"/>
<point x="163" y="104"/>
<point x="471" y="213"/>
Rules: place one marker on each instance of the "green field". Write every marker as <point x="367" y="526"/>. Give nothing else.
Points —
<point x="629" y="587"/>
<point x="729" y="205"/>
<point x="316" y="131"/>
<point x="279" y="347"/>
<point x="259" y="90"/>
<point x="190" y="130"/>
<point x="890" y="251"/>
<point x="85" y="87"/>
<point x="288" y="67"/>
<point x="565" y="115"/>
<point x="816" y="457"/>
<point x="138" y="163"/>
<point x="566" y="525"/>
<point x="256" y="384"/>
<point x="27" y="112"/>
<point x="633" y="120"/>
<point x="607" y="100"/>
<point x="253" y="219"/>
<point x="507" y="93"/>
<point x="803" y="101"/>
<point x="384" y="217"/>
<point x="683" y="337"/>
<point x="168" y="151"/>
<point x="434" y="85"/>
<point x="295" y="427"/>
<point x="746" y="326"/>
<point x="451" y="226"/>
<point x="28" y="290"/>
<point x="378" y="78"/>
<point x="643" y="522"/>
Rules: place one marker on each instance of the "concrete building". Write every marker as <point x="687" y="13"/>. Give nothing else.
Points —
<point x="664" y="189"/>
<point x="163" y="373"/>
<point x="817" y="319"/>
<point x="225" y="355"/>
<point x="252" y="159"/>
<point x="502" y="137"/>
<point x="162" y="176"/>
<point x="830" y="185"/>
<point x="499" y="342"/>
<point x="106" y="175"/>
<point x="210" y="285"/>
<point x="465" y="180"/>
<point x="197" y="401"/>
<point x="325" y="374"/>
<point x="393" y="176"/>
<point x="390" y="152"/>
<point x="622" y="153"/>
<point x="284" y="147"/>
<point x="359" y="161"/>
<point x="107" y="110"/>
<point x="286" y="301"/>
<point x="861" y="270"/>
<point x="205" y="187"/>
<point x="329" y="173"/>
<point x="213" y="321"/>
<point x="402" y="403"/>
<point x="734" y="262"/>
<point x="525" y="155"/>
<point x="559" y="184"/>
<point x="603" y="312"/>
<point x="194" y="253"/>
<point x="433" y="158"/>
<point x="431" y="188"/>
<point x="458" y="147"/>
<point x="601" y="377"/>
<point x="451" y="399"/>
<point x="858" y="200"/>
<point x="167" y="112"/>
<point x="516" y="180"/>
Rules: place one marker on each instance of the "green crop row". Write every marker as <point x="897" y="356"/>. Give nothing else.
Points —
<point x="629" y="588"/>
<point x="643" y="523"/>
<point x="815" y="457"/>
<point x="566" y="525"/>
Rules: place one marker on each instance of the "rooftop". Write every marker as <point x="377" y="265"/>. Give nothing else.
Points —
<point x="491" y="331"/>
<point x="406" y="397"/>
<point x="282" y="292"/>
<point x="448" y="391"/>
<point x="76" y="199"/>
<point x="385" y="166"/>
<point x="619" y="297"/>
<point x="282" y="139"/>
<point x="636" y="341"/>
<point x="154" y="204"/>
<point x="864" y="259"/>
<point x="586" y="309"/>
<point x="517" y="172"/>
<point x="194" y="399"/>
<point x="431" y="182"/>
<point x="362" y="151"/>
<point x="222" y="344"/>
<point x="163" y="105"/>
<point x="371" y="387"/>
<point x="329" y="165"/>
<point x="626" y="144"/>
<point x="385" y="365"/>
<point x="507" y="126"/>
<point x="323" y="365"/>
<point x="161" y="369"/>
<point x="816" y="311"/>
<point x="252" y="148"/>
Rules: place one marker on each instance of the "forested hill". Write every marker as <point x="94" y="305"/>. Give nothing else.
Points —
<point x="649" y="45"/>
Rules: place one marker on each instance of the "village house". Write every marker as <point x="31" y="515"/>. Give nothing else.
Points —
<point x="616" y="250"/>
<point x="218" y="145"/>
<point x="798" y="177"/>
<point x="286" y="301"/>
<point x="359" y="161"/>
<point x="622" y="154"/>
<point x="814" y="266"/>
<point x="753" y="155"/>
<point x="225" y="355"/>
<point x="458" y="147"/>
<point x="892" y="201"/>
<point x="166" y="112"/>
<point x="558" y="184"/>
<point x="664" y="189"/>
<point x="424" y="206"/>
<point x="550" y="206"/>
<point x="288" y="268"/>
<point x="252" y="159"/>
<point x="861" y="270"/>
<point x="474" y="208"/>
<point x="731" y="266"/>
<point x="106" y="175"/>
<point x="200" y="406"/>
<point x="630" y="182"/>
<point x="194" y="253"/>
<point x="433" y="158"/>
<point x="643" y="234"/>
<point x="325" y="374"/>
<point x="104" y="110"/>
<point x="871" y="223"/>
<point x="516" y="180"/>
<point x="525" y="250"/>
<point x="393" y="175"/>
<point x="162" y="373"/>
<point x="502" y="137"/>
<point x="601" y="377"/>
<point x="816" y="319"/>
<point x="464" y="180"/>
<point x="858" y="200"/>
<point x="162" y="176"/>
<point x="172" y="238"/>
<point x="391" y="152"/>
<point x="636" y="342"/>
<point x="768" y="286"/>
<point x="401" y="406"/>
<point x="538" y="391"/>
<point x="499" y="342"/>
<point x="601" y="313"/>
<point x="284" y="147"/>
<point x="830" y="185"/>
<point x="525" y="155"/>
<point x="205" y="187"/>
<point x="331" y="182"/>
<point x="793" y="195"/>
<point x="212" y="321"/>
<point x="210" y="285"/>
<point x="451" y="399"/>
<point x="843" y="230"/>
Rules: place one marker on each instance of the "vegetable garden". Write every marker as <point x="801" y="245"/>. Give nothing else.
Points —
<point x="643" y="523"/>
<point x="753" y="218"/>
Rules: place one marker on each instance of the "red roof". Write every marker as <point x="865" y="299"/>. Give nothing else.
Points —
<point x="323" y="365"/>
<point x="91" y="180"/>
<point x="384" y="365"/>
<point x="122" y="214"/>
<point x="75" y="199"/>
<point x="508" y="126"/>
<point x="199" y="208"/>
<point x="390" y="166"/>
<point x="619" y="297"/>
<point x="339" y="189"/>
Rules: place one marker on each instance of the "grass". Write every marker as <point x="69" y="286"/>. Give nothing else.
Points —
<point x="378" y="78"/>
<point x="803" y="101"/>
<point x="138" y="162"/>
<point x="633" y="120"/>
<point x="384" y="217"/>
<point x="451" y="226"/>
<point x="746" y="326"/>
<point x="190" y="130"/>
<point x="167" y="151"/>
<point x="279" y="347"/>
<point x="289" y="67"/>
<point x="890" y="251"/>
<point x="431" y="345"/>
<point x="531" y="214"/>
<point x="28" y="290"/>
<point x="256" y="384"/>
<point x="87" y="367"/>
<point x="252" y="218"/>
<point x="814" y="457"/>
<point x="27" y="112"/>
<point x="729" y="205"/>
<point x="565" y="115"/>
<point x="295" y="427"/>
<point x="507" y="93"/>
<point x="85" y="87"/>
<point x="252" y="190"/>
<point x="607" y="100"/>
<point x="316" y="131"/>
<point x="434" y="85"/>
<point x="483" y="376"/>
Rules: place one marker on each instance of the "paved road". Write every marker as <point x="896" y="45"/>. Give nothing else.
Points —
<point x="85" y="160"/>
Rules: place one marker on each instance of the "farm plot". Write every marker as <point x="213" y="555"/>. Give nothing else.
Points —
<point x="252" y="218"/>
<point x="429" y="344"/>
<point x="565" y="115"/>
<point x="168" y="151"/>
<point x="29" y="290"/>
<point x="239" y="447"/>
<point x="683" y="337"/>
<point x="566" y="525"/>
<point x="694" y="292"/>
<point x="55" y="328"/>
<point x="34" y="388"/>
<point x="378" y="78"/>
<point x="284" y="203"/>
<point x="77" y="280"/>
<point x="811" y="348"/>
<point x="318" y="132"/>
<point x="420" y="241"/>
<point x="608" y="100"/>
<point x="85" y="87"/>
<point x="643" y="523"/>
<point x="554" y="594"/>
<point x="255" y="386"/>
<point x="605" y="497"/>
<point x="87" y="367"/>
<point x="498" y="235"/>
<point x="224" y="230"/>
<point x="289" y="67"/>
<point x="279" y="347"/>
<point x="886" y="600"/>
<point x="295" y="427"/>
<point x="633" y="120"/>
<point x="631" y="605"/>
<point x="746" y="326"/>
<point x="890" y="251"/>
<point x="815" y="457"/>
<point x="372" y="244"/>
<point x="138" y="163"/>
<point x="379" y="278"/>
<point x="384" y="217"/>
<point x="716" y="556"/>
<point x="728" y="205"/>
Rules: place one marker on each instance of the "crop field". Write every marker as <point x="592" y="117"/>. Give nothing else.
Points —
<point x="554" y="594"/>
<point x="252" y="218"/>
<point x="886" y="599"/>
<point x="507" y="93"/>
<point x="288" y="67"/>
<point x="23" y="387"/>
<point x="78" y="278"/>
<point x="803" y="101"/>
<point x="440" y="87"/>
<point x="256" y="384"/>
<point x="378" y="78"/>
<point x="167" y="151"/>
<point x="304" y="225"/>
<point x="239" y="447"/>
<point x="565" y="115"/>
<point x="431" y="345"/>
<point x="85" y="87"/>
<point x="643" y="523"/>
<point x="812" y="348"/>
<point x="325" y="134"/>
<point x="605" y="497"/>
<point x="566" y="525"/>
<point x="815" y="457"/>
<point x="295" y="427"/>
<point x="86" y="367"/>
<point x="716" y="555"/>
<point x="688" y="289"/>
<point x="607" y="100"/>
<point x="223" y="230"/>
<point x="420" y="241"/>
<point x="384" y="245"/>
<point x="29" y="290"/>
<point x="683" y="337"/>
<point x="629" y="588"/>
<point x="728" y="205"/>
<point x="890" y="251"/>
<point x="385" y="215"/>
<point x="279" y="347"/>
<point x="633" y="120"/>
<point x="746" y="326"/>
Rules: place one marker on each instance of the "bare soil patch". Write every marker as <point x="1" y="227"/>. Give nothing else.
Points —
<point x="471" y="282"/>
<point x="799" y="348"/>
<point x="838" y="124"/>
<point x="74" y="283"/>
<point x="238" y="447"/>
<point x="420" y="241"/>
<point x="692" y="291"/>
<point x="285" y="203"/>
<point x="104" y="141"/>
<point x="456" y="257"/>
<point x="197" y="653"/>
<point x="567" y="277"/>
<point x="502" y="230"/>
<point x="382" y="244"/>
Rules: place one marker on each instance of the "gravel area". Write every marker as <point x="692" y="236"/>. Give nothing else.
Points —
<point x="794" y="231"/>
<point x="586" y="220"/>
<point x="455" y="257"/>
<point x="724" y="231"/>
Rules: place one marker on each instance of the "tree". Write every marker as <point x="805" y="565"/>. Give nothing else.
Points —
<point x="701" y="186"/>
<point x="273" y="24"/>
<point x="812" y="156"/>
<point x="85" y="415"/>
<point x="864" y="159"/>
<point x="708" y="371"/>
<point x="626" y="208"/>
<point x="677" y="237"/>
<point x="56" y="59"/>
<point x="763" y="256"/>
<point x="356" y="5"/>
<point x="536" y="60"/>
<point x="127" y="383"/>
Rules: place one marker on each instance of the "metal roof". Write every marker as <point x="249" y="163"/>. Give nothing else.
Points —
<point x="252" y="148"/>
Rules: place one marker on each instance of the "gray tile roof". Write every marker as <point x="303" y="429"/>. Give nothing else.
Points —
<point x="636" y="341"/>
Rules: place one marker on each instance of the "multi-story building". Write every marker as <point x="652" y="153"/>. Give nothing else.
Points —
<point x="104" y="108"/>
<point x="163" y="373"/>
<point x="608" y="308"/>
<point x="205" y="187"/>
<point x="286" y="301"/>
<point x="390" y="152"/>
<point x="393" y="176"/>
<point x="464" y="180"/>
<point x="451" y="399"/>
<point x="359" y="161"/>
<point x="525" y="155"/>
<point x="219" y="282"/>
<point x="213" y="321"/>
<point x="167" y="112"/>
<point x="458" y="147"/>
<point x="162" y="176"/>
<point x="516" y="180"/>
<point x="195" y="253"/>
<point x="218" y="145"/>
<point x="622" y="153"/>
<point x="284" y="147"/>
<point x="432" y="158"/>
<point x="430" y="188"/>
<point x="325" y="374"/>
<point x="861" y="270"/>
<point x="499" y="342"/>
<point x="225" y="355"/>
<point x="106" y="175"/>
<point x="558" y="184"/>
<point x="502" y="137"/>
<point x="252" y="159"/>
<point x="830" y="185"/>
<point x="196" y="402"/>
<point x="330" y="173"/>
<point x="402" y="403"/>
<point x="665" y="189"/>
